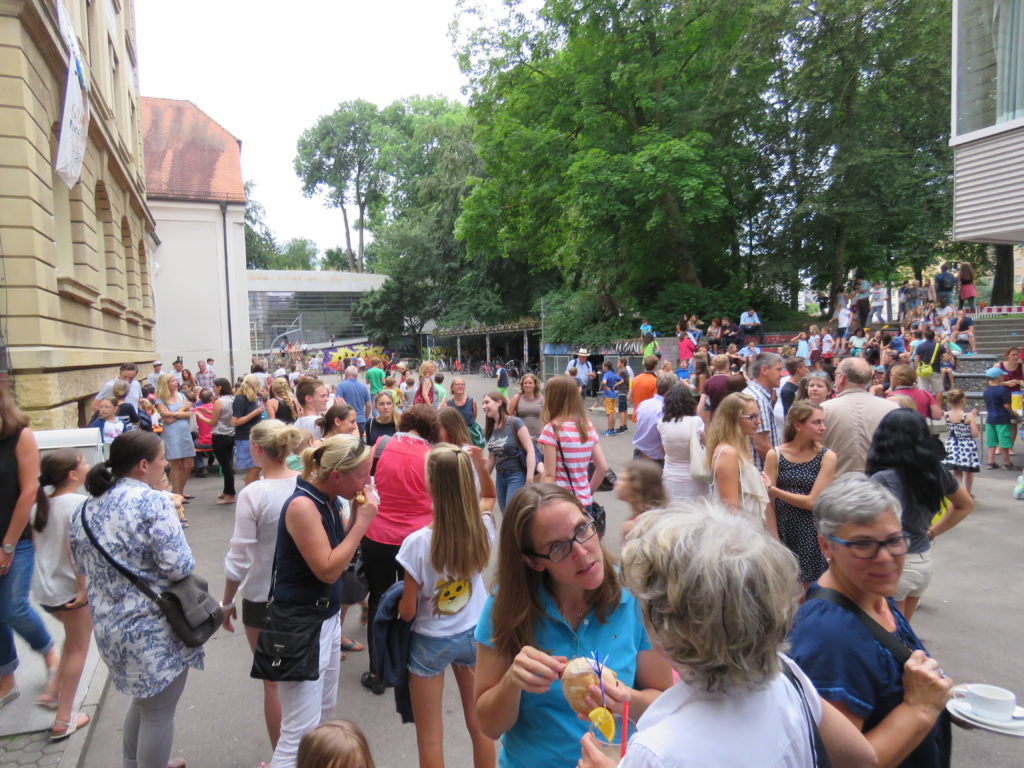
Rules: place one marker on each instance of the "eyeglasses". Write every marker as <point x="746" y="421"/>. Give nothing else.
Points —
<point x="867" y="549"/>
<point x="751" y="416"/>
<point x="561" y="549"/>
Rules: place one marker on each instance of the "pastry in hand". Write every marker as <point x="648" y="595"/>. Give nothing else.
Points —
<point x="577" y="677"/>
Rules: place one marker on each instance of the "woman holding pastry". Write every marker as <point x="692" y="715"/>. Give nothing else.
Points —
<point x="557" y="590"/>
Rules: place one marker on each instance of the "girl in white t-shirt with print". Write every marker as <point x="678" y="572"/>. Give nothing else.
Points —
<point x="444" y="595"/>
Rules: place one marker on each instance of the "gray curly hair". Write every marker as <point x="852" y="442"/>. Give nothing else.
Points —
<point x="717" y="592"/>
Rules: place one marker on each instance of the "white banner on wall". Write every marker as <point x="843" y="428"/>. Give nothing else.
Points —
<point x="74" y="126"/>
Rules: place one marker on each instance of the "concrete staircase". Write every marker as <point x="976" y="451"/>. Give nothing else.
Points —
<point x="992" y="336"/>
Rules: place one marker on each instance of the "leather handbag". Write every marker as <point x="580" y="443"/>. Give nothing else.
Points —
<point x="186" y="604"/>
<point x="288" y="646"/>
<point x="699" y="469"/>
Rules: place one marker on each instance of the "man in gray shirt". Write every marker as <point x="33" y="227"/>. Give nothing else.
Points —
<point x="127" y="374"/>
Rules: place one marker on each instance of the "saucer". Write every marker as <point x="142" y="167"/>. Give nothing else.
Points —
<point x="962" y="710"/>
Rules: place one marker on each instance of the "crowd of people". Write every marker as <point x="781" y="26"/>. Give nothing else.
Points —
<point x="777" y="501"/>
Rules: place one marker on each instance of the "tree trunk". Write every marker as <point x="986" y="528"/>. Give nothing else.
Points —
<point x="360" y="224"/>
<point x="1002" y="278"/>
<point x="838" y="265"/>
<point x="683" y="257"/>
<point x="348" y="240"/>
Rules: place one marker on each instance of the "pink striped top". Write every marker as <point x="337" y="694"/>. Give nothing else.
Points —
<point x="572" y="474"/>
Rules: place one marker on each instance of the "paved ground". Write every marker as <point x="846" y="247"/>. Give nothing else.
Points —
<point x="970" y="620"/>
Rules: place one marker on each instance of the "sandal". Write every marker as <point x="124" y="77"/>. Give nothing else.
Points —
<point x="47" y="701"/>
<point x="70" y="727"/>
<point x="187" y="496"/>
<point x="348" y="644"/>
<point x="226" y="500"/>
<point x="992" y="465"/>
<point x="1011" y="467"/>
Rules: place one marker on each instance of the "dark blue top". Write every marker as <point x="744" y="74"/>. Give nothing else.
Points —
<point x="502" y="377"/>
<point x="295" y="583"/>
<point x="466" y="409"/>
<point x="356" y="394"/>
<point x="997" y="397"/>
<point x="847" y="665"/>
<point x="608" y="382"/>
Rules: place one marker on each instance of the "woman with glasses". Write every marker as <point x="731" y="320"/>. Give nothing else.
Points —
<point x="558" y="596"/>
<point x="896" y="701"/>
<point x="735" y="479"/>
<point x="907" y="459"/>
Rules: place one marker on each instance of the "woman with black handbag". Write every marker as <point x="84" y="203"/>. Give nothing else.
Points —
<point x="250" y="556"/>
<point x="301" y="641"/>
<point x="137" y="526"/>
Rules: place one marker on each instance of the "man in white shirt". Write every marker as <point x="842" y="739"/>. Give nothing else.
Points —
<point x="750" y="325"/>
<point x="584" y="371"/>
<point x="127" y="374"/>
<point x="151" y="379"/>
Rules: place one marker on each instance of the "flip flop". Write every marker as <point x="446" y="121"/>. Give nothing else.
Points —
<point x="10" y="696"/>
<point x="71" y="726"/>
<point x="351" y="645"/>
<point x="225" y="501"/>
<point x="46" y="703"/>
<point x="187" y="496"/>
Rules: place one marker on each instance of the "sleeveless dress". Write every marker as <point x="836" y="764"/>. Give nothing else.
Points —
<point x="796" y="526"/>
<point x="753" y="494"/>
<point x="177" y="434"/>
<point x="529" y="411"/>
<point x="961" y="448"/>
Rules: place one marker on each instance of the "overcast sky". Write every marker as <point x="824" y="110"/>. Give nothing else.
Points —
<point x="267" y="70"/>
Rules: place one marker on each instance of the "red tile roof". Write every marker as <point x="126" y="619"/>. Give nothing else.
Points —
<point x="189" y="155"/>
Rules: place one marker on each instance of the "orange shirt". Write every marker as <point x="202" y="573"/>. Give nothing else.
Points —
<point x="644" y="386"/>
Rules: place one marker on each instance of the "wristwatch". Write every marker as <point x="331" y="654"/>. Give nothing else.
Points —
<point x="9" y="548"/>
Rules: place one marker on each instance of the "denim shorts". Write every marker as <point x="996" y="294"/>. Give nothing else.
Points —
<point x="243" y="456"/>
<point x="430" y="656"/>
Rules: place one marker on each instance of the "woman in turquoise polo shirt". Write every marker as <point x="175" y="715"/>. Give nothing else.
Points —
<point x="558" y="597"/>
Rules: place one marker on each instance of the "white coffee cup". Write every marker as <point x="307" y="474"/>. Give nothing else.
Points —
<point x="990" y="701"/>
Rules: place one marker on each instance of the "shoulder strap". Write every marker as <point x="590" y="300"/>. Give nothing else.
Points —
<point x="561" y="453"/>
<point x="378" y="449"/>
<point x="935" y="352"/>
<point x="821" y="758"/>
<point x="884" y="637"/>
<point x="142" y="586"/>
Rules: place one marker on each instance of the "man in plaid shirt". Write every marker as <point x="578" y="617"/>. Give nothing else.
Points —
<point x="205" y="376"/>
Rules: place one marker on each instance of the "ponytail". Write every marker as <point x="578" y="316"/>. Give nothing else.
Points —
<point x="54" y="470"/>
<point x="100" y="479"/>
<point x="126" y="451"/>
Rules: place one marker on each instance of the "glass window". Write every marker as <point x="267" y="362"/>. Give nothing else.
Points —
<point x="313" y="316"/>
<point x="989" y="63"/>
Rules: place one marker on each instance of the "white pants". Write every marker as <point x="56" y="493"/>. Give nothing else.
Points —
<point x="307" y="704"/>
<point x="931" y="383"/>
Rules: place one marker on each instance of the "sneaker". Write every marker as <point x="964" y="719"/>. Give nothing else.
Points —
<point x="622" y="429"/>
<point x="609" y="433"/>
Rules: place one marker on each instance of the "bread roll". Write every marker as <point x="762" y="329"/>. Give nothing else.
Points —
<point x="577" y="678"/>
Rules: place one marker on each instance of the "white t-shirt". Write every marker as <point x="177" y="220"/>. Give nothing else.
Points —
<point x="445" y="606"/>
<point x="687" y="727"/>
<point x="827" y="344"/>
<point x="55" y="583"/>
<point x="112" y="429"/>
<point x="308" y="423"/>
<point x="250" y="557"/>
<point x="844" y="317"/>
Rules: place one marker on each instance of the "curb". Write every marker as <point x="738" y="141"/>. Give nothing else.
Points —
<point x="75" y="754"/>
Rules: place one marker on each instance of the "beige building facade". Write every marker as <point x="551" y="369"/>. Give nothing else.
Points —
<point x="77" y="296"/>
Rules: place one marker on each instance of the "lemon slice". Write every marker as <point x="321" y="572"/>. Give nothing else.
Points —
<point x="604" y="721"/>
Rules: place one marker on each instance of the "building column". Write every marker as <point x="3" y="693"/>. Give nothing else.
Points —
<point x="488" y="340"/>
<point x="526" y="351"/>
<point x="458" y="348"/>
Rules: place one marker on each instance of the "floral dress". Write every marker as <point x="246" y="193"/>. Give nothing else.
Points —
<point x="139" y="529"/>
<point x="961" y="447"/>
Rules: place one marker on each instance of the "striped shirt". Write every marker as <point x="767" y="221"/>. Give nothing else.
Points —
<point x="768" y="423"/>
<point x="573" y="473"/>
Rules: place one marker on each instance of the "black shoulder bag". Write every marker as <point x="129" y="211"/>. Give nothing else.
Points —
<point x="821" y="758"/>
<point x="186" y="604"/>
<point x="597" y="512"/>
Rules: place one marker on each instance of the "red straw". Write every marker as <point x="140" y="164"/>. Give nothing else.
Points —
<point x="625" y="728"/>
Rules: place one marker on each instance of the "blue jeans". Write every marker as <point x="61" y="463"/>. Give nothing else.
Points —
<point x="507" y="482"/>
<point x="16" y="613"/>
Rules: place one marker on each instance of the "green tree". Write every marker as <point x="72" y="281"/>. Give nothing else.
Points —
<point x="260" y="247"/>
<point x="337" y="158"/>
<point x="297" y="253"/>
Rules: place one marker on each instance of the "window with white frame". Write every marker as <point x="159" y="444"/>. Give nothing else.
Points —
<point x="989" y="63"/>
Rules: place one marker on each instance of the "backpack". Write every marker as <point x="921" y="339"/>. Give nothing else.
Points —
<point x="945" y="281"/>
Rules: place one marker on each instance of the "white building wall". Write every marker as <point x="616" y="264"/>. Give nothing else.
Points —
<point x="191" y="285"/>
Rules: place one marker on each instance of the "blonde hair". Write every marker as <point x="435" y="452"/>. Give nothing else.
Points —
<point x="562" y="402"/>
<point x="277" y="439"/>
<point x="120" y="389"/>
<point x="718" y="593"/>
<point x="341" y="453"/>
<point x="459" y="546"/>
<point x="282" y="391"/>
<point x="163" y="389"/>
<point x="250" y="388"/>
<point x="725" y="427"/>
<point x="336" y="744"/>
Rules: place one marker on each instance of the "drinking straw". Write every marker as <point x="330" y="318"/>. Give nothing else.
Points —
<point x="625" y="728"/>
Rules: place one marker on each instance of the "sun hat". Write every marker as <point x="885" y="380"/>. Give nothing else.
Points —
<point x="583" y="351"/>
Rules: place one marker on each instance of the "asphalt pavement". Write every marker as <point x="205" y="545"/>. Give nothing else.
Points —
<point x="970" y="619"/>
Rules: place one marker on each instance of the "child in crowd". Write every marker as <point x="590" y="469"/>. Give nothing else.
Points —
<point x="107" y="422"/>
<point x="961" y="442"/>
<point x="204" y="421"/>
<point x="813" y="344"/>
<point x="444" y="594"/>
<point x="609" y="382"/>
<point x="828" y="345"/>
<point x="858" y="342"/>
<point x="335" y="744"/>
<point x="149" y="417"/>
<point x="58" y="588"/>
<point x="844" y="318"/>
<point x="948" y="369"/>
<point x="125" y="411"/>
<point x="622" y="389"/>
<point x="998" y="432"/>
<point x="639" y="485"/>
<point x="442" y="392"/>
<point x="396" y="394"/>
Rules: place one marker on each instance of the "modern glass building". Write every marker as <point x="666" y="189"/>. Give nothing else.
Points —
<point x="305" y="306"/>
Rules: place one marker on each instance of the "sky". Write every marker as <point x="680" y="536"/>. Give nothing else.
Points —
<point x="266" y="71"/>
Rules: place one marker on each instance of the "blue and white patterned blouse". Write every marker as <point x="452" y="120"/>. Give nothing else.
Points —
<point x="139" y="529"/>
